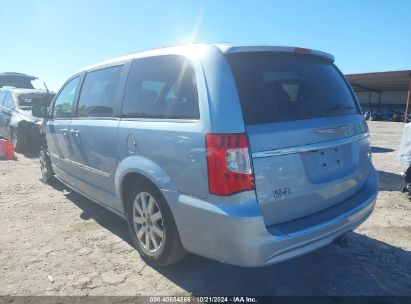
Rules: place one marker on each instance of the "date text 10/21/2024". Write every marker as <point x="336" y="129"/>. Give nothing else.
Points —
<point x="200" y="299"/>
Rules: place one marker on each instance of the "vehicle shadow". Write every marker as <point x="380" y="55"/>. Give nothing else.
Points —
<point x="381" y="150"/>
<point x="91" y="210"/>
<point x="30" y="153"/>
<point x="33" y="153"/>
<point x="388" y="181"/>
<point x="364" y="266"/>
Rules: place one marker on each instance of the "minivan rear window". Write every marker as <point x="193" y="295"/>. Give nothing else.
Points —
<point x="275" y="87"/>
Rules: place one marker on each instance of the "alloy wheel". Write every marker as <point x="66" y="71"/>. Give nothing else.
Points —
<point x="148" y="223"/>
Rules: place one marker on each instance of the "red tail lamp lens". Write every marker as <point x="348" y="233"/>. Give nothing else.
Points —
<point x="229" y="164"/>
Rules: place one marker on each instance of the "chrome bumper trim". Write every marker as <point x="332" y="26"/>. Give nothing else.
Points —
<point x="311" y="147"/>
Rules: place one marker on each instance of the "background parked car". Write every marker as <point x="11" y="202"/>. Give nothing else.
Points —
<point x="383" y="114"/>
<point x="16" y="120"/>
<point x="16" y="80"/>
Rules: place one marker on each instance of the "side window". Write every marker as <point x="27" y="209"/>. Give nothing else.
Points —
<point x="97" y="97"/>
<point x="161" y="87"/>
<point x="63" y="106"/>
<point x="8" y="101"/>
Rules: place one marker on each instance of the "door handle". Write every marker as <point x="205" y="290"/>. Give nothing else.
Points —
<point x="75" y="132"/>
<point x="64" y="132"/>
<point x="335" y="130"/>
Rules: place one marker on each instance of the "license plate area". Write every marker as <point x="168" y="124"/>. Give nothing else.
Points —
<point x="328" y="158"/>
<point x="326" y="164"/>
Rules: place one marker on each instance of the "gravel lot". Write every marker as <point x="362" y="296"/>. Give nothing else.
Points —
<point x="51" y="231"/>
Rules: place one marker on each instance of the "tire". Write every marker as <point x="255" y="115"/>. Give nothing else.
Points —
<point x="47" y="174"/>
<point x="148" y="214"/>
<point x="19" y="139"/>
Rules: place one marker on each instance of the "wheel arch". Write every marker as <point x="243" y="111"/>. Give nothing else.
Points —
<point x="20" y="124"/>
<point x="135" y="168"/>
<point x="128" y="181"/>
<point x="15" y="121"/>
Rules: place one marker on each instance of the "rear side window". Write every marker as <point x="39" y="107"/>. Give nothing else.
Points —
<point x="63" y="106"/>
<point x="161" y="87"/>
<point x="98" y="93"/>
<point x="276" y="87"/>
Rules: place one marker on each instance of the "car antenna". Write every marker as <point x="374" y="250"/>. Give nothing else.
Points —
<point x="48" y="92"/>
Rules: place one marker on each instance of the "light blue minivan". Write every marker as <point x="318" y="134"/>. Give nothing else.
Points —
<point x="248" y="155"/>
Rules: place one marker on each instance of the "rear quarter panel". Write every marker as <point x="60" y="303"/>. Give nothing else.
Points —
<point x="171" y="153"/>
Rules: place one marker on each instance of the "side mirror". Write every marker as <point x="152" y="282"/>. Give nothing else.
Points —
<point x="39" y="110"/>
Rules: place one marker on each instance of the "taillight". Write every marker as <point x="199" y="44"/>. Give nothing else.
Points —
<point x="229" y="164"/>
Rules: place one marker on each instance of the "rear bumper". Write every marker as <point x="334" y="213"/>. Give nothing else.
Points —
<point x="236" y="234"/>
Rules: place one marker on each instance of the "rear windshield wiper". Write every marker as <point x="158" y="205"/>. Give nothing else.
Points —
<point x="339" y="108"/>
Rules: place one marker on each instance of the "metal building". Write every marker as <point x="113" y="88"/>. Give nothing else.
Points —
<point x="383" y="89"/>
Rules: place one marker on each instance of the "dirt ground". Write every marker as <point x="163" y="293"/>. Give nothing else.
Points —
<point x="51" y="231"/>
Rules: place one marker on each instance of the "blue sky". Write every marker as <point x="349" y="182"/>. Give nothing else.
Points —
<point x="54" y="39"/>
